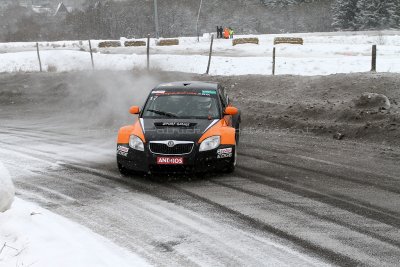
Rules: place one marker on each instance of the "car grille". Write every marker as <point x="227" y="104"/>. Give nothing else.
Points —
<point x="177" y="169"/>
<point x="178" y="149"/>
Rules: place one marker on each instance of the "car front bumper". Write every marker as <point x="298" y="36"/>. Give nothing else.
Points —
<point x="146" y="161"/>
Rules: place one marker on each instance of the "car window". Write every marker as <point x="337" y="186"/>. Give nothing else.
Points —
<point x="223" y="96"/>
<point x="196" y="105"/>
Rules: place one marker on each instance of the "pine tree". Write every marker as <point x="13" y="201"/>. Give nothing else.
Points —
<point x="384" y="13"/>
<point x="373" y="14"/>
<point x="281" y="3"/>
<point x="394" y="12"/>
<point x="344" y="13"/>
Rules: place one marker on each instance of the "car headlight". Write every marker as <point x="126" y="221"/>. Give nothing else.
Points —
<point x="136" y="143"/>
<point x="210" y="143"/>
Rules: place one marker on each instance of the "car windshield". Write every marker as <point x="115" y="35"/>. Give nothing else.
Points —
<point x="188" y="105"/>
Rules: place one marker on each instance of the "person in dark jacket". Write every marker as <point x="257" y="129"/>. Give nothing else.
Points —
<point x="219" y="31"/>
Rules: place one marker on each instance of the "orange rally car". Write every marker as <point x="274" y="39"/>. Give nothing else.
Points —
<point x="183" y="127"/>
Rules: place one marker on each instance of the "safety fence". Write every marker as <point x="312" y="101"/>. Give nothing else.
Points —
<point x="242" y="55"/>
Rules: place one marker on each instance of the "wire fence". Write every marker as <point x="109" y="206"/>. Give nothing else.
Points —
<point x="231" y="57"/>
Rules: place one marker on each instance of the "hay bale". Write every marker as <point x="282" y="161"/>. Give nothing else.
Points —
<point x="109" y="44"/>
<point x="245" y="41"/>
<point x="135" y="43"/>
<point x="168" y="42"/>
<point x="288" y="40"/>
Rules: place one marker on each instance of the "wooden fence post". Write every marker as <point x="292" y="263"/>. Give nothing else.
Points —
<point x="148" y="52"/>
<point x="91" y="54"/>
<point x="38" y="54"/>
<point x="273" y="60"/>
<point x="209" y="57"/>
<point x="373" y="64"/>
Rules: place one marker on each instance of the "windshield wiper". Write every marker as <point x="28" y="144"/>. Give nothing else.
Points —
<point x="159" y="112"/>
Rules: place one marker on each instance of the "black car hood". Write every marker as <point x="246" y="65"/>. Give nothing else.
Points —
<point x="175" y="129"/>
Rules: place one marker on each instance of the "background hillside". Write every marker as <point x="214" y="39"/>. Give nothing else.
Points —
<point x="135" y="18"/>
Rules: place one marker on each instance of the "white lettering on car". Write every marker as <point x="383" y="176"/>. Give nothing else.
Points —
<point x="158" y="92"/>
<point x="123" y="151"/>
<point x="224" y="153"/>
<point x="170" y="160"/>
<point x="222" y="156"/>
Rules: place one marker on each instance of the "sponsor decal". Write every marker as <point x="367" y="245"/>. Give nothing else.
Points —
<point x="185" y="124"/>
<point x="198" y="93"/>
<point x="175" y="124"/>
<point x="158" y="92"/>
<point x="224" y="150"/>
<point x="181" y="93"/>
<point x="124" y="154"/>
<point x="169" y="160"/>
<point x="223" y="156"/>
<point x="123" y="151"/>
<point x="224" y="153"/>
<point x="209" y="92"/>
<point x="166" y="124"/>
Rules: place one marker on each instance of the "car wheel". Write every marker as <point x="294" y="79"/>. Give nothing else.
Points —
<point x="232" y="165"/>
<point x="237" y="135"/>
<point x="124" y="171"/>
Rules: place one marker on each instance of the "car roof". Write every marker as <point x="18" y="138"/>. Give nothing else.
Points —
<point x="187" y="85"/>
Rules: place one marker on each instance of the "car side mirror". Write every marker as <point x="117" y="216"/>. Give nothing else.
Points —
<point x="231" y="111"/>
<point x="134" y="110"/>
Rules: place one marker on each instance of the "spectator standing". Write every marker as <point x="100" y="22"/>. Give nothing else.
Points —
<point x="231" y="33"/>
<point x="226" y="33"/>
<point x="219" y="32"/>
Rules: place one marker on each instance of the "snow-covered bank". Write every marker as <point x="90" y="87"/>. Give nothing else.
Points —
<point x="296" y="65"/>
<point x="7" y="190"/>
<point x="32" y="236"/>
<point x="321" y="54"/>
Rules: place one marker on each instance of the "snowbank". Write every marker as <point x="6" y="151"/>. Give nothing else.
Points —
<point x="32" y="236"/>
<point x="7" y="190"/>
<point x="321" y="54"/>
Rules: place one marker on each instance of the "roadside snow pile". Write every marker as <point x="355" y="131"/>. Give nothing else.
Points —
<point x="32" y="236"/>
<point x="7" y="190"/>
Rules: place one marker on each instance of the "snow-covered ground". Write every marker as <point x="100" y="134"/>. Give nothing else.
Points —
<point x="32" y="236"/>
<point x="321" y="54"/>
<point x="7" y="190"/>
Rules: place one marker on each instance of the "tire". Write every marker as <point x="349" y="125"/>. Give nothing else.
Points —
<point x="237" y="134"/>
<point x="232" y="165"/>
<point x="122" y="170"/>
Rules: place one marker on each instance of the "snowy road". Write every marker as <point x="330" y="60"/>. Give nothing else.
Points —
<point x="294" y="200"/>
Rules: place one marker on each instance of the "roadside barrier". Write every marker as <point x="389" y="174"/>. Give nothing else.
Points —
<point x="288" y="40"/>
<point x="168" y="42"/>
<point x="134" y="43"/>
<point x="245" y="41"/>
<point x="109" y="44"/>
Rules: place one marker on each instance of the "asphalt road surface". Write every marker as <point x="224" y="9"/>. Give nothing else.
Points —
<point x="294" y="200"/>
